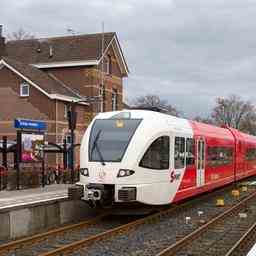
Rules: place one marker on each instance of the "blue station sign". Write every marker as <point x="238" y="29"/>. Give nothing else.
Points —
<point x="29" y="124"/>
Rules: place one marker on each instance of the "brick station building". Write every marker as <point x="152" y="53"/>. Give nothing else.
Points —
<point x="40" y="77"/>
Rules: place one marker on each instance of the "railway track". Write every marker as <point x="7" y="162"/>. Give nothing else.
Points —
<point x="153" y="238"/>
<point x="82" y="237"/>
<point x="38" y="243"/>
<point x="245" y="243"/>
<point x="46" y="244"/>
<point x="227" y="234"/>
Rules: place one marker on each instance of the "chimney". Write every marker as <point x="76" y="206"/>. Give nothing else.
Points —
<point x="2" y="42"/>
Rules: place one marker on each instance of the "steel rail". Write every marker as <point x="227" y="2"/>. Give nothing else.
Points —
<point x="67" y="249"/>
<point x="242" y="241"/>
<point x="22" y="243"/>
<point x="171" y="250"/>
<point x="27" y="241"/>
<point x="109" y="233"/>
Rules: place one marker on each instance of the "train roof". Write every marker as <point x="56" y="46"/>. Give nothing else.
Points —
<point x="156" y="118"/>
<point x="208" y="130"/>
<point x="182" y="124"/>
<point x="243" y="136"/>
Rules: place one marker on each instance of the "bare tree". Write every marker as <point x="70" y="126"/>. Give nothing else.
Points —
<point x="154" y="101"/>
<point x="206" y="120"/>
<point x="248" y="125"/>
<point x="71" y="31"/>
<point x="234" y="112"/>
<point x="20" y="34"/>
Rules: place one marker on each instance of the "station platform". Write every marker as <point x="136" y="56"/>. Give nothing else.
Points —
<point x="10" y="199"/>
<point x="27" y="212"/>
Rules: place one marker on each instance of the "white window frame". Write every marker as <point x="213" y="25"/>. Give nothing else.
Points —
<point x="107" y="65"/>
<point x="114" y="100"/>
<point x="22" y="85"/>
<point x="101" y="93"/>
<point x="67" y="108"/>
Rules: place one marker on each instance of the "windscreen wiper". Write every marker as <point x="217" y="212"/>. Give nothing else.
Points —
<point x="100" y="155"/>
<point x="95" y="145"/>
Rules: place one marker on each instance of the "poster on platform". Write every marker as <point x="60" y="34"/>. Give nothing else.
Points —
<point x="32" y="147"/>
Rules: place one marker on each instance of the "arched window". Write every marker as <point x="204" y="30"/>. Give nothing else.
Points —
<point x="157" y="155"/>
<point x="114" y="100"/>
<point x="102" y="94"/>
<point x="107" y="65"/>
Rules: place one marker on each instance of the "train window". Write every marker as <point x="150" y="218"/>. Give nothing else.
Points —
<point x="250" y="154"/>
<point x="157" y="155"/>
<point x="190" y="151"/>
<point x="219" y="156"/>
<point x="240" y="146"/>
<point x="179" y="152"/>
<point x="110" y="138"/>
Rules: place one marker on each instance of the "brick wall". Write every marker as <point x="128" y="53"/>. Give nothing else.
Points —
<point x="37" y="107"/>
<point x="86" y="80"/>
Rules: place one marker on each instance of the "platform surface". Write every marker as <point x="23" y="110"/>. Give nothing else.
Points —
<point x="9" y="199"/>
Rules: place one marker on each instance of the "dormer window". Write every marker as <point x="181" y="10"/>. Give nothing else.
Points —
<point x="108" y="65"/>
<point x="24" y="90"/>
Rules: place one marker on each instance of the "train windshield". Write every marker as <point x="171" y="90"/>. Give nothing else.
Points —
<point x="110" y="138"/>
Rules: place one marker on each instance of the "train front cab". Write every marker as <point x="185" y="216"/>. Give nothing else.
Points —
<point x="154" y="157"/>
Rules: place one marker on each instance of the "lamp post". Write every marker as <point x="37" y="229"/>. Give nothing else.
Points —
<point x="72" y="120"/>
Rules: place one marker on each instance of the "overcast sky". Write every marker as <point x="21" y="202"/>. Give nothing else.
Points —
<point x="186" y="51"/>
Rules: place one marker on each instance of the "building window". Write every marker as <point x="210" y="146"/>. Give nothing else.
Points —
<point x="108" y="65"/>
<point x="157" y="155"/>
<point x="114" y="100"/>
<point x="24" y="90"/>
<point x="102" y="102"/>
<point x="179" y="152"/>
<point x="67" y="108"/>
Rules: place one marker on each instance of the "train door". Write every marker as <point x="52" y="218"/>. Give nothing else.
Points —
<point x="200" y="163"/>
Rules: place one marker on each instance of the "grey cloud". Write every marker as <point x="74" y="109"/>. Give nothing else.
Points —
<point x="187" y="51"/>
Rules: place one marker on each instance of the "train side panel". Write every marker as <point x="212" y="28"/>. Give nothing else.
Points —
<point x="217" y="171"/>
<point x="230" y="155"/>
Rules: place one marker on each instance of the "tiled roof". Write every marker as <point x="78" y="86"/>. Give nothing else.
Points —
<point x="41" y="78"/>
<point x="58" y="49"/>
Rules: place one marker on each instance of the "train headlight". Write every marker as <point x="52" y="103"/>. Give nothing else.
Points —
<point x="124" y="173"/>
<point x="84" y="172"/>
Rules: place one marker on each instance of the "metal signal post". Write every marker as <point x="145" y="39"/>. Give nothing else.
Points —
<point x="72" y="120"/>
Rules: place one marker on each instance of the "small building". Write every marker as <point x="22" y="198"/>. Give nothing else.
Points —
<point x="40" y="77"/>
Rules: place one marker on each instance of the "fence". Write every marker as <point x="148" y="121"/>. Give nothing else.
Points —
<point x="19" y="176"/>
<point x="32" y="177"/>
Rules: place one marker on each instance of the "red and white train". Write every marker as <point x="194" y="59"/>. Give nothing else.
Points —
<point x="156" y="159"/>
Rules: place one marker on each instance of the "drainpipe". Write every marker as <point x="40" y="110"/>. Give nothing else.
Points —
<point x="56" y="128"/>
